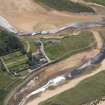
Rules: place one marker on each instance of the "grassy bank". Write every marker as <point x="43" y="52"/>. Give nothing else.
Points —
<point x="65" y="5"/>
<point x="88" y="90"/>
<point x="101" y="2"/>
<point x="56" y="49"/>
<point x="7" y="83"/>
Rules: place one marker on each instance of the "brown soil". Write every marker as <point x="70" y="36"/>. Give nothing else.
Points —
<point x="50" y="93"/>
<point x="26" y="15"/>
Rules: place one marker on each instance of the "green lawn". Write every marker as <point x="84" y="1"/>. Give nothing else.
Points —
<point x="88" y="90"/>
<point x="65" y="5"/>
<point x="101" y="2"/>
<point x="69" y="46"/>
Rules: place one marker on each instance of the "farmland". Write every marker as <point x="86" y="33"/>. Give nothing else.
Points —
<point x="85" y="92"/>
<point x="65" y="5"/>
<point x="16" y="62"/>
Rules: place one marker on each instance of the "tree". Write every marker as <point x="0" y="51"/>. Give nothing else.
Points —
<point x="10" y="43"/>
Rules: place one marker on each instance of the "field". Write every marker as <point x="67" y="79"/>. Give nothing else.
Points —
<point x="101" y="2"/>
<point x="16" y="62"/>
<point x="56" y="49"/>
<point x="88" y="90"/>
<point x="65" y="5"/>
<point x="7" y="82"/>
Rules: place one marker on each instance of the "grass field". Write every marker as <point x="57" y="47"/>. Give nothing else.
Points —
<point x="7" y="83"/>
<point x="88" y="90"/>
<point x="65" y="5"/>
<point x="101" y="2"/>
<point x="68" y="46"/>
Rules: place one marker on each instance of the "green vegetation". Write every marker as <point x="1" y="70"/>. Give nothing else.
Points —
<point x="65" y="5"/>
<point x="101" y="2"/>
<point x="56" y="49"/>
<point x="12" y="54"/>
<point x="16" y="61"/>
<point x="88" y="90"/>
<point x="7" y="83"/>
<point x="31" y="41"/>
<point x="102" y="33"/>
<point x="9" y="43"/>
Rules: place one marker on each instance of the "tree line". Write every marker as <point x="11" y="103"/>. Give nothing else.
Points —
<point x="10" y="43"/>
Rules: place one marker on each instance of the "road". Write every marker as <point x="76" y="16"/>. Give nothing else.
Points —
<point x="79" y="25"/>
<point x="101" y="103"/>
<point x="55" y="92"/>
<point x="43" y="52"/>
<point x="4" y="24"/>
<point x="98" y="39"/>
<point x="50" y="93"/>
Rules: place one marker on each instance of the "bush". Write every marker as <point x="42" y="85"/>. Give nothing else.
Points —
<point x="9" y="43"/>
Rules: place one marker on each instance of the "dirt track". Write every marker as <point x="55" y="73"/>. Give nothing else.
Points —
<point x="29" y="16"/>
<point x="76" y="59"/>
<point x="101" y="103"/>
<point x="48" y="94"/>
<point x="67" y="64"/>
<point x="98" y="39"/>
